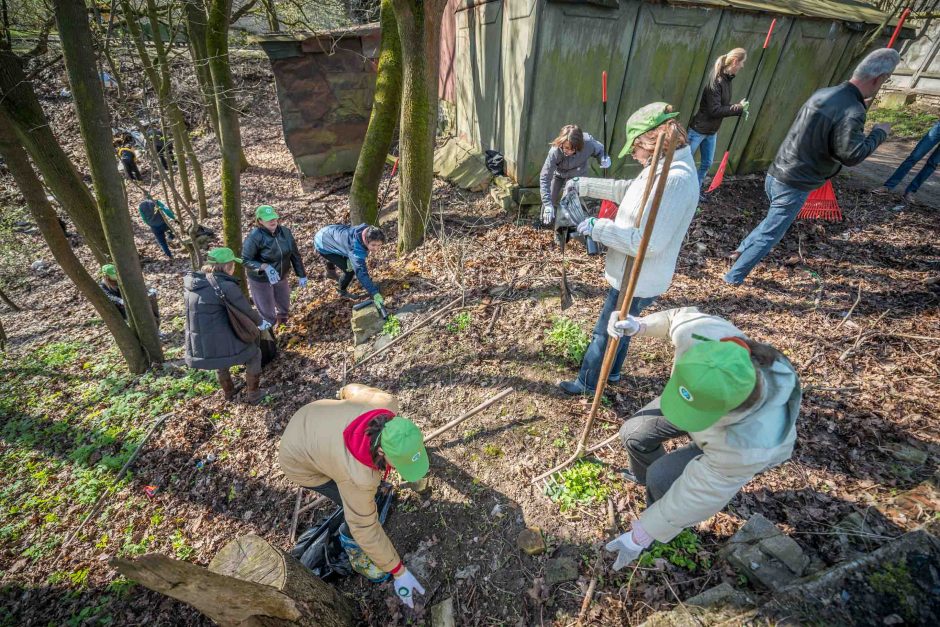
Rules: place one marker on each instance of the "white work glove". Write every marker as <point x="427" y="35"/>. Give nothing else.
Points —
<point x="627" y="550"/>
<point x="151" y="292"/>
<point x="573" y="184"/>
<point x="264" y="326"/>
<point x="605" y="162"/>
<point x="118" y="300"/>
<point x="746" y="108"/>
<point x="548" y="214"/>
<point x="629" y="327"/>
<point x="273" y="276"/>
<point x="406" y="586"/>
<point x="586" y="227"/>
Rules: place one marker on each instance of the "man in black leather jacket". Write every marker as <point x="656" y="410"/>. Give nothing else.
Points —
<point x="829" y="132"/>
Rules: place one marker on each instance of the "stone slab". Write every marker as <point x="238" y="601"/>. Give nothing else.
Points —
<point x="759" y="567"/>
<point x="366" y="323"/>
<point x="786" y="551"/>
<point x="462" y="165"/>
<point x="442" y="614"/>
<point x="724" y="594"/>
<point x="560" y="570"/>
<point x="756" y="528"/>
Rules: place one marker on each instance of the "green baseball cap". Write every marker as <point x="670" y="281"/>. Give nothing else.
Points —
<point x="109" y="270"/>
<point x="222" y="255"/>
<point x="708" y="381"/>
<point x="265" y="213"/>
<point x="403" y="445"/>
<point x="645" y="119"/>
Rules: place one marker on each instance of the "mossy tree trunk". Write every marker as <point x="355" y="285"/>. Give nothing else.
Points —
<point x="32" y="127"/>
<point x="48" y="223"/>
<point x="386" y="108"/>
<point x="229" y="130"/>
<point x="94" y="121"/>
<point x="419" y="30"/>
<point x="196" y="34"/>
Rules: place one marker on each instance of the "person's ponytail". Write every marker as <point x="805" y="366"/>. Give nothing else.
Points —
<point x="374" y="433"/>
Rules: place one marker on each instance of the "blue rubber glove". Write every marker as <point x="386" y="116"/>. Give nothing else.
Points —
<point x="302" y="281"/>
<point x="586" y="227"/>
<point x="378" y="299"/>
<point x="273" y="276"/>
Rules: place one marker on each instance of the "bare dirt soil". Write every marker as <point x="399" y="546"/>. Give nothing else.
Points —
<point x="870" y="383"/>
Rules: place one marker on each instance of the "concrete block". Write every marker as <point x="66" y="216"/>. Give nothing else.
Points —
<point x="462" y="165"/>
<point x="721" y="595"/>
<point x="787" y="552"/>
<point x="366" y="323"/>
<point x="442" y="614"/>
<point x="755" y="529"/>
<point x="759" y="567"/>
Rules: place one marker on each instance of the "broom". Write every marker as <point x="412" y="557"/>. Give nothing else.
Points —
<point x="720" y="174"/>
<point x="626" y="296"/>
<point x="608" y="207"/>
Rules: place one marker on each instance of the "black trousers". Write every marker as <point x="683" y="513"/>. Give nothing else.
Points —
<point x="643" y="436"/>
<point x="342" y="264"/>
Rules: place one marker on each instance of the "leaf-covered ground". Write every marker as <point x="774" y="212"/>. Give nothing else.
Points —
<point x="71" y="415"/>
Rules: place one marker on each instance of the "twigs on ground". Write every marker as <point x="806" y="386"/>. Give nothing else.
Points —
<point x="854" y="305"/>
<point x="456" y="421"/>
<point x="101" y="500"/>
<point x="293" y="523"/>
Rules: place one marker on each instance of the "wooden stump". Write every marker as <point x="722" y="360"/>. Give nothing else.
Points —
<point x="249" y="583"/>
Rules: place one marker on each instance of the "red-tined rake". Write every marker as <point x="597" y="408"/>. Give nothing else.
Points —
<point x="821" y="204"/>
<point x="550" y="478"/>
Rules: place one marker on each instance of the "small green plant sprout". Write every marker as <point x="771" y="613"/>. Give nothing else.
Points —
<point x="492" y="450"/>
<point x="585" y="482"/>
<point x="392" y="326"/>
<point x="180" y="547"/>
<point x="567" y="340"/>
<point x="460" y="323"/>
<point x="684" y="551"/>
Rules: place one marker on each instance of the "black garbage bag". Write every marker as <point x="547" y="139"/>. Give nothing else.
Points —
<point x="319" y="548"/>
<point x="495" y="163"/>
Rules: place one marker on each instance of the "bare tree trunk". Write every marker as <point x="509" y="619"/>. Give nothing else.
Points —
<point x="229" y="130"/>
<point x="3" y="295"/>
<point x="94" y="120"/>
<point x="270" y="11"/>
<point x="386" y="108"/>
<point x="419" y="29"/>
<point x="48" y="223"/>
<point x="32" y="127"/>
<point x="249" y="583"/>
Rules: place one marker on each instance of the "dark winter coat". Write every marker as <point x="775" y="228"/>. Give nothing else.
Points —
<point x="715" y="106"/>
<point x="114" y="295"/>
<point x="211" y="343"/>
<point x="152" y="212"/>
<point x="277" y="249"/>
<point x="828" y="132"/>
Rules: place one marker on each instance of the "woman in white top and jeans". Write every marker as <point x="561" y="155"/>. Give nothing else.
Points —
<point x="677" y="207"/>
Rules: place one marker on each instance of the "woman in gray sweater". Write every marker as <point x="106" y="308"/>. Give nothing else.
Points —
<point x="567" y="159"/>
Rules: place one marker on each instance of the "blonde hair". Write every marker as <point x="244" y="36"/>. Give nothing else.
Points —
<point x="648" y="139"/>
<point x="573" y="135"/>
<point x="738" y="54"/>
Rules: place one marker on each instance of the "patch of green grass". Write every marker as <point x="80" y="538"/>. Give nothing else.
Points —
<point x="684" y="551"/>
<point x="57" y="354"/>
<point x="567" y="340"/>
<point x="492" y="450"/>
<point x="905" y="122"/>
<point x="471" y="433"/>
<point x="180" y="547"/>
<point x="585" y="482"/>
<point x="392" y="326"/>
<point x="460" y="322"/>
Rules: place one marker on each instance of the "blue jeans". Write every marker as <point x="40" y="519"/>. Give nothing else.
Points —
<point x="594" y="356"/>
<point x="785" y="204"/>
<point x="160" y="232"/>
<point x="927" y="142"/>
<point x="705" y="144"/>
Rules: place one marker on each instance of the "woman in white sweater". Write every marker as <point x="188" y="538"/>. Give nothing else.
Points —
<point x="622" y="239"/>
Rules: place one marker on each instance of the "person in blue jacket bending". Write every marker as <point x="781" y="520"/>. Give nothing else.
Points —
<point x="345" y="248"/>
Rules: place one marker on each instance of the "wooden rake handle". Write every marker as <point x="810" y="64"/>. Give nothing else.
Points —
<point x="626" y="296"/>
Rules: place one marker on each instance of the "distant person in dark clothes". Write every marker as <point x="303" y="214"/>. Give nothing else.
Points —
<point x="129" y="160"/>
<point x="154" y="214"/>
<point x="567" y="158"/>
<point x="163" y="147"/>
<point x="828" y="133"/>
<point x="109" y="285"/>
<point x="211" y="342"/>
<point x="714" y="107"/>
<point x="927" y="143"/>
<point x="345" y="248"/>
<point x="270" y="252"/>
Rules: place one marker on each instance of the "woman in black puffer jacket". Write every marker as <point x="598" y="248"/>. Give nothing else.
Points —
<point x="211" y="343"/>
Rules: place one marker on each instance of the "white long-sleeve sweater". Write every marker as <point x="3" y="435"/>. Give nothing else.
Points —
<point x="676" y="210"/>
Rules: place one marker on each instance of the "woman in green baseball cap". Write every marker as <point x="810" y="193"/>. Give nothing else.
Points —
<point x="622" y="239"/>
<point x="211" y="342"/>
<point x="270" y="252"/>
<point x="736" y="399"/>
<point x="109" y="285"/>
<point x="344" y="450"/>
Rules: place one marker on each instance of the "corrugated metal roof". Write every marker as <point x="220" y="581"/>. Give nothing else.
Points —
<point x="841" y="10"/>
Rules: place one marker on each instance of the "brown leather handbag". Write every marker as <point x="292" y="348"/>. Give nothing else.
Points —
<point x="244" y="327"/>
